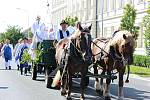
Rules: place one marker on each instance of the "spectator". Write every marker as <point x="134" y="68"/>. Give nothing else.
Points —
<point x="22" y="47"/>
<point x="16" y="53"/>
<point x="7" y="50"/>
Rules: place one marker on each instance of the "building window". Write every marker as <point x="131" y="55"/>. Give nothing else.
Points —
<point x="140" y="40"/>
<point x="85" y="4"/>
<point x="105" y="5"/>
<point x="121" y="3"/>
<point x="113" y="4"/>
<point x="105" y="32"/>
<point x="130" y="1"/>
<point x="112" y="29"/>
<point x="92" y="3"/>
<point x="140" y="1"/>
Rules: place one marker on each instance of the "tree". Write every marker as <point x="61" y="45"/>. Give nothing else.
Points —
<point x="71" y="20"/>
<point x="146" y="25"/>
<point x="128" y="20"/>
<point x="13" y="33"/>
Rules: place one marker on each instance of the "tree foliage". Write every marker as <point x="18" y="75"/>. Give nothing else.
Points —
<point x="13" y="33"/>
<point x="71" y="20"/>
<point x="146" y="25"/>
<point x="128" y="20"/>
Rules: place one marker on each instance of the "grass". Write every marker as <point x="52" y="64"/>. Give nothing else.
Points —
<point x="141" y="71"/>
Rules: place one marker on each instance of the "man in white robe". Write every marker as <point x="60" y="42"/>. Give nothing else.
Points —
<point x="38" y="30"/>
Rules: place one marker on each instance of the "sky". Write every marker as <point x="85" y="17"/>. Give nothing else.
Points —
<point x="22" y="12"/>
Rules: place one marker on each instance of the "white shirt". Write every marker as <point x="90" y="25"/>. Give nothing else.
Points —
<point x="16" y="50"/>
<point x="71" y="29"/>
<point x="52" y="35"/>
<point x="38" y="30"/>
<point x="21" y="46"/>
<point x="58" y="34"/>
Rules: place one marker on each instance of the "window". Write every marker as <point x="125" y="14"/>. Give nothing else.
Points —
<point x="121" y="3"/>
<point x="105" y="5"/>
<point x="140" y="40"/>
<point x="130" y="1"/>
<point x="113" y="4"/>
<point x="105" y="32"/>
<point x="140" y="1"/>
<point x="92" y="2"/>
<point x="112" y="29"/>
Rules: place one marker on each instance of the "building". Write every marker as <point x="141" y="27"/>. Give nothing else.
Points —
<point x="105" y="15"/>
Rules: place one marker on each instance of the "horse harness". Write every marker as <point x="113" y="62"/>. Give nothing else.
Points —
<point x="113" y="53"/>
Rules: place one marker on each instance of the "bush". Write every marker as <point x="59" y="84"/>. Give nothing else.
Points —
<point x="141" y="60"/>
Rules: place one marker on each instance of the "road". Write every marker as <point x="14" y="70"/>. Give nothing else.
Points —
<point x="14" y="86"/>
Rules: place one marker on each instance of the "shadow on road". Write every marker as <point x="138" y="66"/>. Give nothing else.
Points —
<point x="131" y="93"/>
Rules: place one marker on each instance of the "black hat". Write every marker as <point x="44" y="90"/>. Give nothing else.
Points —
<point x="63" y="22"/>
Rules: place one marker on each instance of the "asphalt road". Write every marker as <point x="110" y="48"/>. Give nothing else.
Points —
<point x="14" y="86"/>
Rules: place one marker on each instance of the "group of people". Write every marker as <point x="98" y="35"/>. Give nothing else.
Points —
<point x="8" y="52"/>
<point x="40" y="33"/>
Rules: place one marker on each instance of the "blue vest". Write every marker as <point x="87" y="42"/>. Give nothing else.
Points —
<point x="7" y="52"/>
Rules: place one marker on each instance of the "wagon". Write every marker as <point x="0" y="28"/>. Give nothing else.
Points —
<point x="48" y="61"/>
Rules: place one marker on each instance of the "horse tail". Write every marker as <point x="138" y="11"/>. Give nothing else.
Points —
<point x="127" y="79"/>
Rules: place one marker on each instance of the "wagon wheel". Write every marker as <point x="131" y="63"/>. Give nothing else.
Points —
<point x="34" y="71"/>
<point x="48" y="80"/>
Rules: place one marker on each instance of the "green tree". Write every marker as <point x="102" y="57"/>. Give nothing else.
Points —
<point x="71" y="20"/>
<point x="146" y="25"/>
<point x="13" y="33"/>
<point x="128" y="20"/>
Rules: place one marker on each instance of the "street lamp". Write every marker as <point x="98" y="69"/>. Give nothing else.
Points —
<point x="27" y="12"/>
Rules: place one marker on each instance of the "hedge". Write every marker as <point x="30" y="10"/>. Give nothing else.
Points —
<point x="141" y="60"/>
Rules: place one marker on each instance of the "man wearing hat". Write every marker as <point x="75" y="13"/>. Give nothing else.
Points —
<point x="38" y="30"/>
<point x="62" y="32"/>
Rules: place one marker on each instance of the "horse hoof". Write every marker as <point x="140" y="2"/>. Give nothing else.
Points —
<point x="69" y="98"/>
<point x="63" y="93"/>
<point x="107" y="98"/>
<point x="100" y="92"/>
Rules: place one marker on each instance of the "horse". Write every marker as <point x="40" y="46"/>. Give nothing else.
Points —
<point x="74" y="54"/>
<point x="110" y="54"/>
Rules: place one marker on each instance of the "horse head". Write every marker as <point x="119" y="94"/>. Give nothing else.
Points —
<point x="124" y="44"/>
<point x="83" y="42"/>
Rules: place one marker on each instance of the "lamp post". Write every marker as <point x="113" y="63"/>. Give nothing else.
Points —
<point x="27" y="12"/>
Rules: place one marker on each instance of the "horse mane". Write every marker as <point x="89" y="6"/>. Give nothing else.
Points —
<point x="118" y="38"/>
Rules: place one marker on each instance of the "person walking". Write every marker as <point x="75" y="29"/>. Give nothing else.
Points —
<point x="16" y="53"/>
<point x="21" y="49"/>
<point x="7" y="51"/>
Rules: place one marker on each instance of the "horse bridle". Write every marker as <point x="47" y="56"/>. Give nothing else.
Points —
<point x="75" y="46"/>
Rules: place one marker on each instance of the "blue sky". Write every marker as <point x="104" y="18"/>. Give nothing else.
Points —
<point x="10" y="15"/>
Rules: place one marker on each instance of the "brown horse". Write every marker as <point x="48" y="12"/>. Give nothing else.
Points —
<point x="110" y="54"/>
<point x="74" y="55"/>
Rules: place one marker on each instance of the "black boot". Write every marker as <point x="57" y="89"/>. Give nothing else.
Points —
<point x="25" y="71"/>
<point x="18" y="67"/>
<point x="21" y="70"/>
<point x="9" y="67"/>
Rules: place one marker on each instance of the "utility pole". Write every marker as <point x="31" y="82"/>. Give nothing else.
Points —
<point x="96" y="18"/>
<point x="102" y="17"/>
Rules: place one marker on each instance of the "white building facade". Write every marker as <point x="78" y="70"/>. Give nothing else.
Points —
<point x="105" y="15"/>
